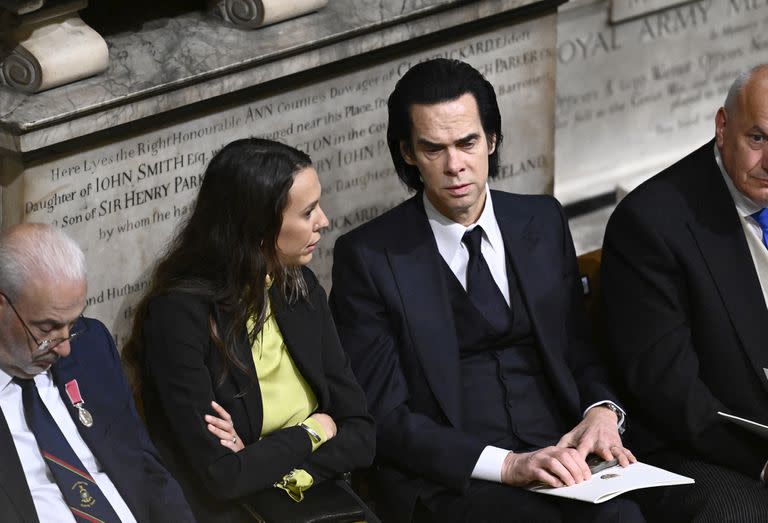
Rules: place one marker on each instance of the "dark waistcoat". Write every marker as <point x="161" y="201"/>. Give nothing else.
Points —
<point x="507" y="398"/>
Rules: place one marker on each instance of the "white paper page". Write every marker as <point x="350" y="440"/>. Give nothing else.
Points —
<point x="609" y="483"/>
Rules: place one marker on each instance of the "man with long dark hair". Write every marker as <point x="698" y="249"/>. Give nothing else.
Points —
<point x="462" y="313"/>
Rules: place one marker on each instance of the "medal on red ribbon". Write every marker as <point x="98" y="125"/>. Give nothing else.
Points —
<point x="73" y="391"/>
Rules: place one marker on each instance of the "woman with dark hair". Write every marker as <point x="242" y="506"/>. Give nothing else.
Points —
<point x="246" y="388"/>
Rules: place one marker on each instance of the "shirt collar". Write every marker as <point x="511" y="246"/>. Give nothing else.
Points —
<point x="5" y="380"/>
<point x="42" y="379"/>
<point x="448" y="233"/>
<point x="744" y="205"/>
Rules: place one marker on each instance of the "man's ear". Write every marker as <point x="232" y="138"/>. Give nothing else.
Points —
<point x="407" y="153"/>
<point x="721" y="119"/>
<point x="491" y="144"/>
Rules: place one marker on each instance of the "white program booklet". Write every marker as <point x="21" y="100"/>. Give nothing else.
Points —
<point x="752" y="426"/>
<point x="609" y="483"/>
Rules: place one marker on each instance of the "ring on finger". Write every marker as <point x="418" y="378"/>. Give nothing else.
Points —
<point x="234" y="440"/>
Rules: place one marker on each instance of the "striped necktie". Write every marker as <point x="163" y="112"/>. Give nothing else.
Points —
<point x="80" y="491"/>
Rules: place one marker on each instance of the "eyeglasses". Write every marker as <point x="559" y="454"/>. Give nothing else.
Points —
<point x="75" y="329"/>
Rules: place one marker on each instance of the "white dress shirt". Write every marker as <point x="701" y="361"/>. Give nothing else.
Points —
<point x="745" y="207"/>
<point x="49" y="503"/>
<point x="448" y="235"/>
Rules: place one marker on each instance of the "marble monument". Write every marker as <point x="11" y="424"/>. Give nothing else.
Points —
<point x="122" y="174"/>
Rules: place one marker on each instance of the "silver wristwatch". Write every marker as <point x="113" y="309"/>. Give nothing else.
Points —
<point x="619" y="415"/>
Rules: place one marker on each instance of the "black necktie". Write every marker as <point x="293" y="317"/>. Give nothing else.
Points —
<point x="82" y="495"/>
<point x="481" y="287"/>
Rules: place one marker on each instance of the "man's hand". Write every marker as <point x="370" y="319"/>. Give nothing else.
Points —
<point x="597" y="433"/>
<point x="554" y="466"/>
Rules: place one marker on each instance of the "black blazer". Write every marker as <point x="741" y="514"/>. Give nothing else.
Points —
<point x="391" y="307"/>
<point x="117" y="438"/>
<point x="685" y="313"/>
<point x="182" y="367"/>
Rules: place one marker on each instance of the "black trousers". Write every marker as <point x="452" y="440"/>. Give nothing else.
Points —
<point x="720" y="495"/>
<point x="487" y="502"/>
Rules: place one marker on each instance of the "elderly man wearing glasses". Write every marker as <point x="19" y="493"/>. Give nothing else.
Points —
<point x="72" y="447"/>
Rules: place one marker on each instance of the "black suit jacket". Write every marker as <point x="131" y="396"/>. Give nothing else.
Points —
<point x="117" y="438"/>
<point x="182" y="368"/>
<point x="391" y="307"/>
<point x="685" y="313"/>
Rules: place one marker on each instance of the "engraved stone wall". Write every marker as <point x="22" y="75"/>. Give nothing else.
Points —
<point x="122" y="199"/>
<point x="635" y="96"/>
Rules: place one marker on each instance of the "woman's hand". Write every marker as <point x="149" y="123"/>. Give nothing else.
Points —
<point x="222" y="428"/>
<point x="329" y="426"/>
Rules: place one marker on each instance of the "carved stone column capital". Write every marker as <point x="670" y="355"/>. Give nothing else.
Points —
<point x="21" y="7"/>
<point x="20" y="70"/>
<point x="250" y="14"/>
<point x="48" y="47"/>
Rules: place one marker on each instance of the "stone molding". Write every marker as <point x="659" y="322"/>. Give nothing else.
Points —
<point x="622" y="10"/>
<point x="195" y="57"/>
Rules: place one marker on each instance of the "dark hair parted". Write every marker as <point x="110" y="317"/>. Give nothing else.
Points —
<point x="228" y="245"/>
<point x="432" y="82"/>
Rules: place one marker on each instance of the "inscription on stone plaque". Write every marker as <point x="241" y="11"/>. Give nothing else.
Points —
<point x="636" y="96"/>
<point x="123" y="200"/>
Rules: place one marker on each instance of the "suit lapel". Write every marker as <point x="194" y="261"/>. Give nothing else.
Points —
<point x="717" y="231"/>
<point x="300" y="334"/>
<point x="68" y="369"/>
<point x="247" y="388"/>
<point x="415" y="263"/>
<point x="13" y="483"/>
<point x="522" y="237"/>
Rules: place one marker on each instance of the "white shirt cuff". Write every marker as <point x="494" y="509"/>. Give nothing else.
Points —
<point x="489" y="464"/>
<point x="622" y="414"/>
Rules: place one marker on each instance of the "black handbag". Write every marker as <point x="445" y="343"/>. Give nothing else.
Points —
<point x="325" y="502"/>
